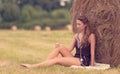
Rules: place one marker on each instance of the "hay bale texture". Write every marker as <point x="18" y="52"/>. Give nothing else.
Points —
<point x="14" y="28"/>
<point x="104" y="17"/>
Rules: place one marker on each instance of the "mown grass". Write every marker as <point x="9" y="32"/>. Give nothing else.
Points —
<point x="18" y="47"/>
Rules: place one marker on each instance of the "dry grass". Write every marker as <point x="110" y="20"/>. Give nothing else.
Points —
<point x="18" y="47"/>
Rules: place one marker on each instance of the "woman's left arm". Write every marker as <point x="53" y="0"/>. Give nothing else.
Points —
<point x="92" y="41"/>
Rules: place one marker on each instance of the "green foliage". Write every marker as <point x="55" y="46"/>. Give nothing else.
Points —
<point x="53" y="23"/>
<point x="60" y="13"/>
<point x="6" y="25"/>
<point x="28" y="13"/>
<point x="10" y="12"/>
<point x="48" y="5"/>
<point x="1" y="19"/>
<point x="1" y="7"/>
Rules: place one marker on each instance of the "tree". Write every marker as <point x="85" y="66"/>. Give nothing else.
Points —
<point x="29" y="12"/>
<point x="10" y="12"/>
<point x="60" y="13"/>
<point x="48" y="4"/>
<point x="105" y="23"/>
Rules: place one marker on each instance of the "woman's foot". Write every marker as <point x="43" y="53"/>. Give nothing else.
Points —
<point x="27" y="65"/>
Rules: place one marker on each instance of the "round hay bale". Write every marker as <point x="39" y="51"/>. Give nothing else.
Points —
<point x="47" y="28"/>
<point x="105" y="23"/>
<point x="14" y="28"/>
<point x="37" y="28"/>
<point x="69" y="27"/>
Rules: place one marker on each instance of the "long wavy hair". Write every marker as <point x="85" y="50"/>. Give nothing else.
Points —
<point x="87" y="31"/>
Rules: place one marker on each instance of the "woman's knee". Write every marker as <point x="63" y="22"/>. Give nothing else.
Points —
<point x="61" y="47"/>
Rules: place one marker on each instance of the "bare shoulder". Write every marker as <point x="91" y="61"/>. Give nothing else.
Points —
<point x="91" y="37"/>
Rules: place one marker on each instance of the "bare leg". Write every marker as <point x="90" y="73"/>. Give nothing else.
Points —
<point x="60" y="50"/>
<point x="52" y="59"/>
<point x="68" y="61"/>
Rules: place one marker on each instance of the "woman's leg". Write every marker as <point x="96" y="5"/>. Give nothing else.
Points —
<point x="52" y="59"/>
<point x="65" y="61"/>
<point x="60" y="49"/>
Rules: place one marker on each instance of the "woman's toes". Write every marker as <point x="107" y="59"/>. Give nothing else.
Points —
<point x="26" y="65"/>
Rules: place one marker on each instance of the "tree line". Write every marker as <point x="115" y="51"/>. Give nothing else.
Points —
<point x="28" y="13"/>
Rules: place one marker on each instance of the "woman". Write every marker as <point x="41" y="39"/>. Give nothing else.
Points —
<point x="83" y="41"/>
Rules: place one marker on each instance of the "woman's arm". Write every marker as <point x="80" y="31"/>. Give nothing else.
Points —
<point x="92" y="43"/>
<point x="71" y="47"/>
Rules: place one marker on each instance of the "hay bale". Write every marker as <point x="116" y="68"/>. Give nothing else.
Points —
<point x="105" y="23"/>
<point x="47" y="28"/>
<point x="37" y="28"/>
<point x="69" y="27"/>
<point x="14" y="28"/>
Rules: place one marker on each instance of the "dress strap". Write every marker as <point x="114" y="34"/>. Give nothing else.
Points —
<point x="78" y="41"/>
<point x="78" y="36"/>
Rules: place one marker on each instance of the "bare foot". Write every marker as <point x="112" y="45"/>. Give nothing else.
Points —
<point x="26" y="65"/>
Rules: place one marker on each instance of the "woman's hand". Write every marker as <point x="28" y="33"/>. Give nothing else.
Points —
<point x="57" y="45"/>
<point x="92" y="64"/>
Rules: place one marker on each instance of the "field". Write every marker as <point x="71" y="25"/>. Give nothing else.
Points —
<point x="17" y="47"/>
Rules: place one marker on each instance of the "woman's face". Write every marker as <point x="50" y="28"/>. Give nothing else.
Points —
<point x="80" y="25"/>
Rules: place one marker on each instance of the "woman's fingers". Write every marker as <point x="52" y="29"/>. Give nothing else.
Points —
<point x="57" y="45"/>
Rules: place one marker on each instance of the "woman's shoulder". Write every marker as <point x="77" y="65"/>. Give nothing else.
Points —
<point x="91" y="37"/>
